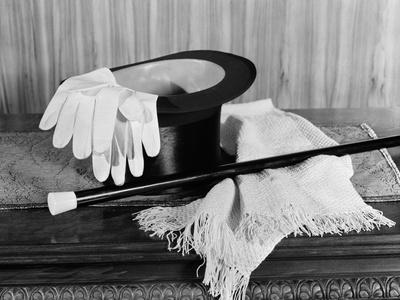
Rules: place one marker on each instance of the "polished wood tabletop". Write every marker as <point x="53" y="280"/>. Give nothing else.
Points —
<point x="104" y="245"/>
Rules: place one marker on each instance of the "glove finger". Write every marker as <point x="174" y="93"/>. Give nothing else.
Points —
<point x="135" y="152"/>
<point x="148" y="117"/>
<point x="119" y="149"/>
<point x="151" y="132"/>
<point x="132" y="109"/>
<point x="101" y="165"/>
<point x="65" y="125"/>
<point x="104" y="118"/>
<point x="50" y="116"/>
<point x="82" y="141"/>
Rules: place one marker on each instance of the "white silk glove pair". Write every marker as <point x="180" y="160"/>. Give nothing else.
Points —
<point x="107" y="120"/>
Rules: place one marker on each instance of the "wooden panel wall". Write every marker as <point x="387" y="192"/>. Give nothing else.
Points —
<point x="322" y="53"/>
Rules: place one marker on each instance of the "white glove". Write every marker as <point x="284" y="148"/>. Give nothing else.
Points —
<point x="106" y="120"/>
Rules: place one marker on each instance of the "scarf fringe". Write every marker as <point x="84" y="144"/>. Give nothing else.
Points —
<point x="200" y="233"/>
<point x="256" y="226"/>
<point x="227" y="282"/>
<point x="163" y="222"/>
<point x="215" y="242"/>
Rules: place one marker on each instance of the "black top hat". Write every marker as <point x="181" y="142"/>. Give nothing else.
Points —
<point x="192" y="86"/>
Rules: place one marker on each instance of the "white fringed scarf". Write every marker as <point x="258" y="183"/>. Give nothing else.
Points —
<point x="239" y="222"/>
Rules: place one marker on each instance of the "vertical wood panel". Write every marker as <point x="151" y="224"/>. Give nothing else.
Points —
<point x="309" y="53"/>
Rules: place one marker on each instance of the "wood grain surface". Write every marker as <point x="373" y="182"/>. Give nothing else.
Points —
<point x="308" y="53"/>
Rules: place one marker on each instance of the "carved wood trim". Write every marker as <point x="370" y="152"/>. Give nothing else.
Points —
<point x="340" y="288"/>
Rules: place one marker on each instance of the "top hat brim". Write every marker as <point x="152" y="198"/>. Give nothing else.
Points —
<point x="239" y="75"/>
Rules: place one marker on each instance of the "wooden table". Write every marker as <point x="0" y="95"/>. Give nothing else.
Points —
<point x="100" y="253"/>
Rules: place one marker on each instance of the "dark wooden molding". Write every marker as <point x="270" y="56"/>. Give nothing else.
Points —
<point x="103" y="245"/>
<point x="338" y="288"/>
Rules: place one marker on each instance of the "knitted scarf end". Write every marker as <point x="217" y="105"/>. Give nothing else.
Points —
<point x="211" y="238"/>
<point x="214" y="240"/>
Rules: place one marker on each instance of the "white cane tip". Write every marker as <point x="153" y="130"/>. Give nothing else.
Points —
<point x="61" y="202"/>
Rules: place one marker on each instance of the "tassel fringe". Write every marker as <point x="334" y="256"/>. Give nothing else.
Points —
<point x="299" y="222"/>
<point x="200" y="231"/>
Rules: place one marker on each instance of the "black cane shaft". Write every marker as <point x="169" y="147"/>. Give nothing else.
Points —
<point x="108" y="193"/>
